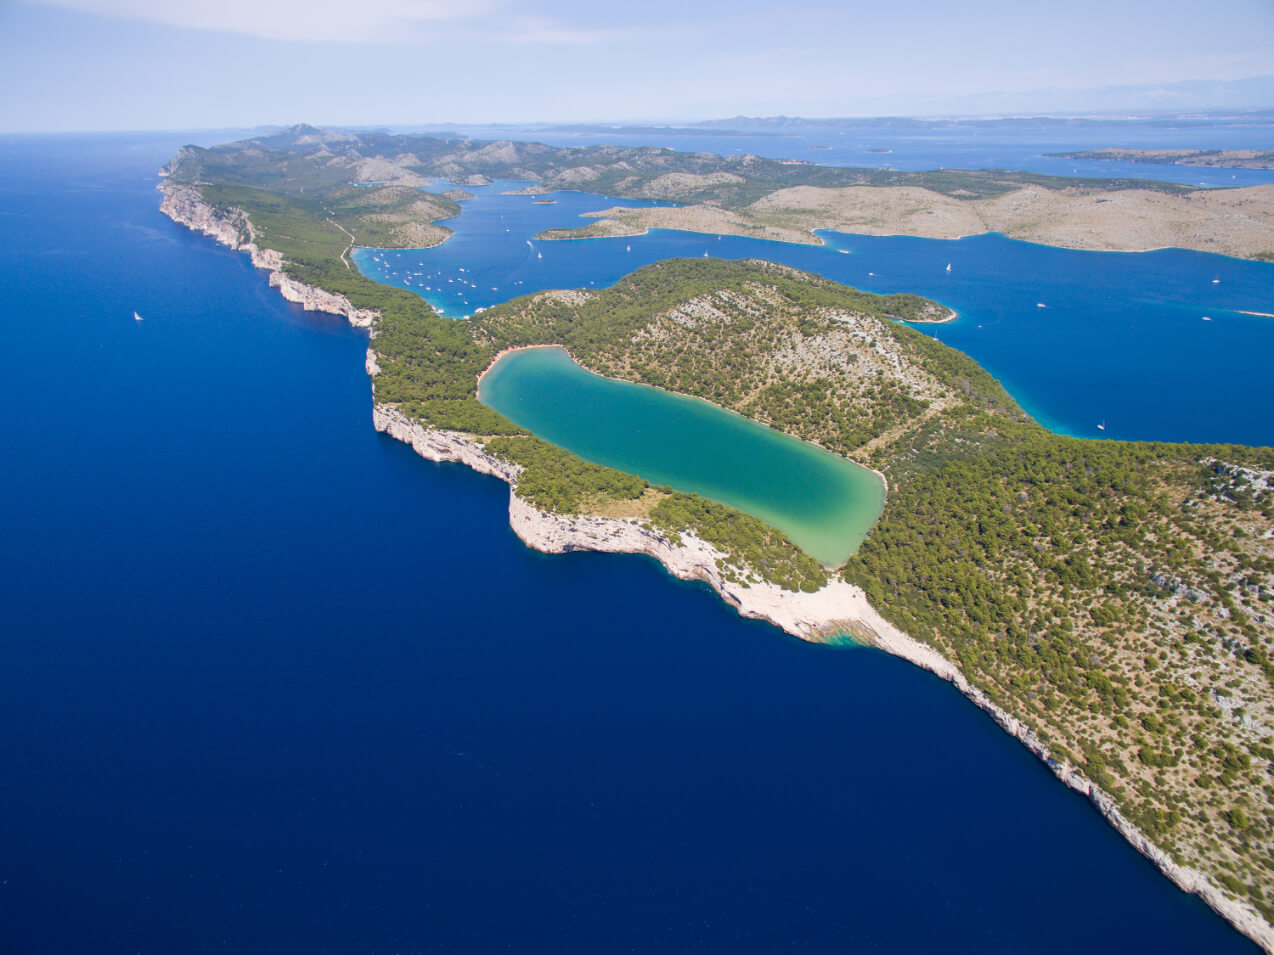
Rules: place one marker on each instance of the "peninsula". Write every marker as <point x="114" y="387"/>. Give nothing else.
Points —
<point x="739" y="195"/>
<point x="1107" y="602"/>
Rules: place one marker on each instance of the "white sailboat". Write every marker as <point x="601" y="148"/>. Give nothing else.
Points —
<point x="136" y="316"/>
<point x="948" y="266"/>
<point x="1102" y="426"/>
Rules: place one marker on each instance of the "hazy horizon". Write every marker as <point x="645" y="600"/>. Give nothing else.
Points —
<point x="104" y="65"/>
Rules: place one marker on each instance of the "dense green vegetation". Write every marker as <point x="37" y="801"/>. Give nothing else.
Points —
<point x="563" y="483"/>
<point x="762" y="552"/>
<point x="744" y="313"/>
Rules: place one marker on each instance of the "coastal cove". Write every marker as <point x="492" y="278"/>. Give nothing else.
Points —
<point x="824" y="503"/>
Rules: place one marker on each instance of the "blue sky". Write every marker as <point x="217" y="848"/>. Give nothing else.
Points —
<point x="169" y="64"/>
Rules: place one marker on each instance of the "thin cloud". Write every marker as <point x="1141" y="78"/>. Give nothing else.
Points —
<point x="300" y="21"/>
<point x="538" y="30"/>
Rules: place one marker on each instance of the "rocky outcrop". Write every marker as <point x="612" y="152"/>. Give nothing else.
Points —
<point x="232" y="227"/>
<point x="314" y="299"/>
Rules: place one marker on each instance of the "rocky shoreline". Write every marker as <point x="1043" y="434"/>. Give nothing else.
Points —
<point x="233" y="228"/>
<point x="837" y="609"/>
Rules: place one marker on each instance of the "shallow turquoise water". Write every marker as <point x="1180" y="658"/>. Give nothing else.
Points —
<point x="823" y="502"/>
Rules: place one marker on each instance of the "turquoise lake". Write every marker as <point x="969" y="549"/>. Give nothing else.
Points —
<point x="823" y="502"/>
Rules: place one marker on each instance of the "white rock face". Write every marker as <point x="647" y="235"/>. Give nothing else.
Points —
<point x="439" y="445"/>
<point x="231" y="227"/>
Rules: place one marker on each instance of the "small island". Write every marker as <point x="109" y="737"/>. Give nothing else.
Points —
<point x="1225" y="158"/>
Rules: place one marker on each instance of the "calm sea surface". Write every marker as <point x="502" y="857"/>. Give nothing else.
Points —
<point x="271" y="683"/>
<point x="824" y="503"/>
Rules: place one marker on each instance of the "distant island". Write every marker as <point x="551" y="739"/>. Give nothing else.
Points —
<point x="1106" y="602"/>
<point x="1227" y="158"/>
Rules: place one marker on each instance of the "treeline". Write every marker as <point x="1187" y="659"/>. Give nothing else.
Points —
<point x="554" y="479"/>
<point x="749" y="543"/>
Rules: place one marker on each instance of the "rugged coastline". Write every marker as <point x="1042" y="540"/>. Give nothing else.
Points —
<point x="233" y="228"/>
<point x="838" y="608"/>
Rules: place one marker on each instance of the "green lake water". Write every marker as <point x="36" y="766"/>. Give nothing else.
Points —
<point x="824" y="503"/>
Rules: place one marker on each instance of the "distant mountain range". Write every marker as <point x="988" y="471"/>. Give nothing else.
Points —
<point x="1194" y="101"/>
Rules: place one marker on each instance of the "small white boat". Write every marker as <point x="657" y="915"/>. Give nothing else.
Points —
<point x="705" y="253"/>
<point x="539" y="255"/>
<point x="1216" y="281"/>
<point x="1102" y="426"/>
<point x="843" y="251"/>
<point x="628" y="248"/>
<point x="1040" y="305"/>
<point x="948" y="266"/>
<point x="1207" y="318"/>
<point x="136" y="316"/>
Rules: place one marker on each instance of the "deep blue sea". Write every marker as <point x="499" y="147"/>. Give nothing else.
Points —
<point x="271" y="683"/>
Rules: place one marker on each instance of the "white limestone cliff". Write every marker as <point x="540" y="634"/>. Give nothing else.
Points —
<point x="232" y="227"/>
